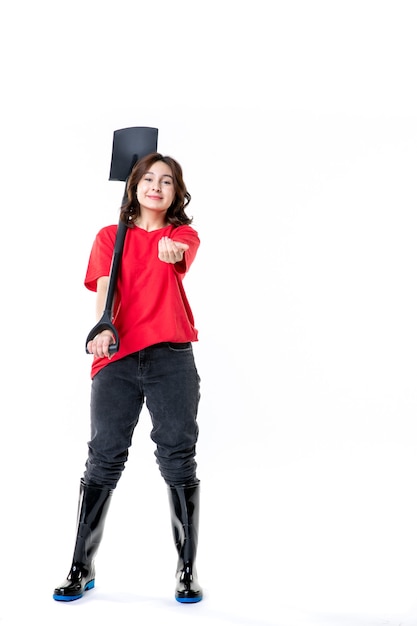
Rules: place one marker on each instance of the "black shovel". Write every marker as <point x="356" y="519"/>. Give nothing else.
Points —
<point x="129" y="145"/>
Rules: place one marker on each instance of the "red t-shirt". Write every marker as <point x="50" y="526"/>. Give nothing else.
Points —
<point x="150" y="305"/>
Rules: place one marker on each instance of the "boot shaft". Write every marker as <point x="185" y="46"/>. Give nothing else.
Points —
<point x="93" y="505"/>
<point x="185" y="513"/>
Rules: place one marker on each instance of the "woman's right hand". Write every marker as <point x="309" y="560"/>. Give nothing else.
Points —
<point x="99" y="346"/>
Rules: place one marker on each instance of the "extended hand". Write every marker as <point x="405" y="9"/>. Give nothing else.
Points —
<point x="171" y="251"/>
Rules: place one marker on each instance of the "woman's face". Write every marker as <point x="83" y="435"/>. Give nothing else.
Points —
<point x="155" y="190"/>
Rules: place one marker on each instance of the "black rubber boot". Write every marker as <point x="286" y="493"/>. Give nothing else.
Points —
<point x="93" y="505"/>
<point x="185" y="508"/>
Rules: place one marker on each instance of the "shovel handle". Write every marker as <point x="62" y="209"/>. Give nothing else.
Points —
<point x="104" y="324"/>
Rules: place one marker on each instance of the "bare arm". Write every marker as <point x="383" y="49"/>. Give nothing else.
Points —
<point x="102" y="284"/>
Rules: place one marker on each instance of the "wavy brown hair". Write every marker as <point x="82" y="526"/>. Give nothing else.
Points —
<point x="130" y="209"/>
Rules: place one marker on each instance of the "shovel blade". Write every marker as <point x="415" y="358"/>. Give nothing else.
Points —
<point x="130" y="145"/>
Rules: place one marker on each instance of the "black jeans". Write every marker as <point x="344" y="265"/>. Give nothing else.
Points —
<point x="165" y="377"/>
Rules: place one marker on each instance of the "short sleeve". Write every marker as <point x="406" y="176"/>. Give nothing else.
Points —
<point x="186" y="234"/>
<point x="101" y="255"/>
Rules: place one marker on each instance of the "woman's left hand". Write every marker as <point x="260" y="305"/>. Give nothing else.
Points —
<point x="171" y="251"/>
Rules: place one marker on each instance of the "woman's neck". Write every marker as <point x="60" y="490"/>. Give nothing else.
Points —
<point x="150" y="222"/>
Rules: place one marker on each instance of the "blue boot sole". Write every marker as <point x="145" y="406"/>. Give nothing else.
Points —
<point x="189" y="600"/>
<point x="63" y="598"/>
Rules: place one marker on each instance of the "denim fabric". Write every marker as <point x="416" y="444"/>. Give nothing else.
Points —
<point x="163" y="376"/>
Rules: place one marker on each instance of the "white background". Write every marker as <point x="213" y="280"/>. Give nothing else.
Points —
<point x="295" y="123"/>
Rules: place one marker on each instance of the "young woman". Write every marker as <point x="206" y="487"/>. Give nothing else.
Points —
<point x="154" y="365"/>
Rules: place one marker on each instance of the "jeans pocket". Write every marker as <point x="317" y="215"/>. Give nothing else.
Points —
<point x="179" y="347"/>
